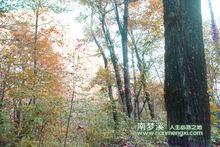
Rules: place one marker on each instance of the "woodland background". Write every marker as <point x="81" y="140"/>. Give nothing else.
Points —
<point x="91" y="90"/>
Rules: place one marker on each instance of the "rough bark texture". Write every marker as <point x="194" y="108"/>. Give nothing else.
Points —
<point x="186" y="95"/>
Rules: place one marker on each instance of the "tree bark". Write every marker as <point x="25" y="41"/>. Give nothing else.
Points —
<point x="35" y="53"/>
<point x="108" y="83"/>
<point x="216" y="40"/>
<point x="123" y="29"/>
<point x="136" y="95"/>
<point x="114" y="60"/>
<point x="71" y="104"/>
<point x="142" y="68"/>
<point x="3" y="87"/>
<point x="214" y="28"/>
<point x="186" y="98"/>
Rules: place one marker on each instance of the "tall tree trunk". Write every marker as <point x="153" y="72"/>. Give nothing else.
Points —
<point x="35" y="39"/>
<point x="4" y="87"/>
<point x="186" y="98"/>
<point x="123" y="28"/>
<point x="19" y="116"/>
<point x="142" y="68"/>
<point x="136" y="100"/>
<point x="35" y="53"/>
<point x="71" y="104"/>
<point x="215" y="31"/>
<point x="216" y="40"/>
<point x="108" y="83"/>
<point x="69" y="118"/>
<point x="124" y="40"/>
<point x="114" y="60"/>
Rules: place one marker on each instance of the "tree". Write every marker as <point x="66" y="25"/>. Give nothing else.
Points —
<point x="123" y="29"/>
<point x="143" y="42"/>
<point x="215" y="31"/>
<point x="114" y="59"/>
<point x="216" y="43"/>
<point x="108" y="80"/>
<point x="102" y="12"/>
<point x="112" y="14"/>
<point x="186" y="98"/>
<point x="74" y="67"/>
<point x="17" y="81"/>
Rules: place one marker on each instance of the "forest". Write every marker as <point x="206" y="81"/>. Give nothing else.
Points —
<point x="109" y="73"/>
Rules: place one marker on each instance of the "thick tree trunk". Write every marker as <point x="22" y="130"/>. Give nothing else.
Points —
<point x="186" y="97"/>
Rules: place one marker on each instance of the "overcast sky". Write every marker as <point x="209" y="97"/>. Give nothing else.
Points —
<point x="75" y="29"/>
<point x="206" y="12"/>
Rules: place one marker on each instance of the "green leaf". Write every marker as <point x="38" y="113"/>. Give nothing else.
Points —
<point x="39" y="120"/>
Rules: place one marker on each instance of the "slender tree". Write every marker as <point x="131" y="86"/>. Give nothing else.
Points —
<point x="216" y="41"/>
<point x="186" y="98"/>
<point x="72" y="99"/>
<point x="123" y="29"/>
<point x="106" y="65"/>
<point x="108" y="82"/>
<point x="215" y="31"/>
<point x="143" y="69"/>
<point x="114" y="59"/>
<point x="36" y="10"/>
